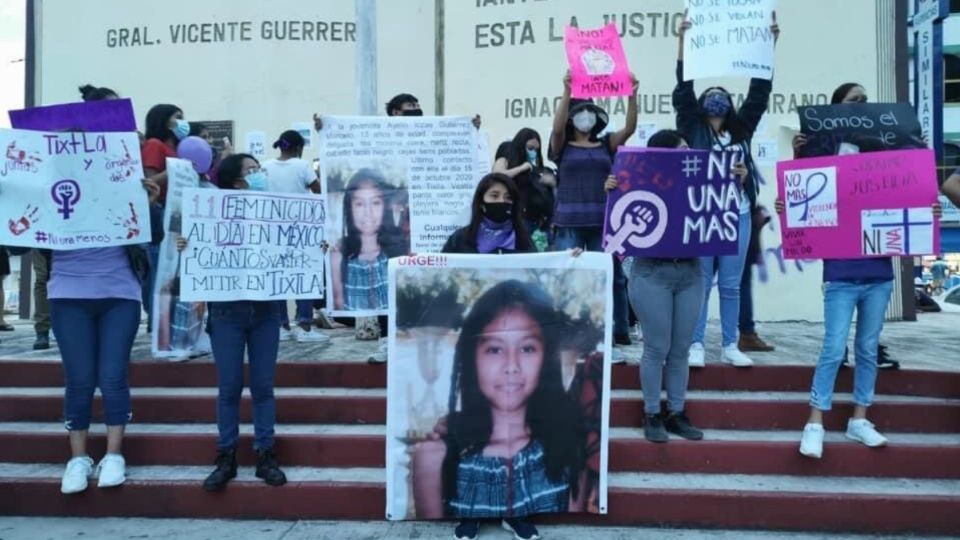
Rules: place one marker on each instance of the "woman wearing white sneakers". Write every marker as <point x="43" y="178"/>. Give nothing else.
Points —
<point x="864" y="286"/>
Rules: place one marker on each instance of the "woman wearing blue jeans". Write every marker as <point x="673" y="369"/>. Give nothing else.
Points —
<point x="712" y="123"/>
<point x="864" y="286"/>
<point x="235" y="328"/>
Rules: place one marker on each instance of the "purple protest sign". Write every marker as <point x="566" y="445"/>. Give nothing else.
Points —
<point x="666" y="206"/>
<point x="109" y="115"/>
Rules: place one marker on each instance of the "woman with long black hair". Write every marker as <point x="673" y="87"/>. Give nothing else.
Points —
<point x="523" y="162"/>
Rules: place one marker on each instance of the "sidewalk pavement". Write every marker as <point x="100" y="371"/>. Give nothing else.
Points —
<point x="16" y="528"/>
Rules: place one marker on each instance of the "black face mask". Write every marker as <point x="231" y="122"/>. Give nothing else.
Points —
<point x="497" y="212"/>
<point x="412" y="112"/>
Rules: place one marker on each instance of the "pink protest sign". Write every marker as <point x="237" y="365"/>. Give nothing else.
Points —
<point x="859" y="206"/>
<point x="598" y="65"/>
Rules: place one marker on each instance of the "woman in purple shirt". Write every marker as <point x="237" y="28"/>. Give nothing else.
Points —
<point x="95" y="312"/>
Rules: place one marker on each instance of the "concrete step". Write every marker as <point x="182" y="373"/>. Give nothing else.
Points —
<point x="708" y="409"/>
<point x="786" y="378"/>
<point x="721" y="452"/>
<point x="896" y="505"/>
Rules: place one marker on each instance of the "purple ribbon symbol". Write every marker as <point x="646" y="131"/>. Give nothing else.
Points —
<point x="66" y="193"/>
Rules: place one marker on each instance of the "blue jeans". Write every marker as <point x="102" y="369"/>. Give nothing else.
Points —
<point x="254" y="327"/>
<point x="839" y="301"/>
<point x="95" y="338"/>
<point x="729" y="269"/>
<point x="304" y="313"/>
<point x="591" y="239"/>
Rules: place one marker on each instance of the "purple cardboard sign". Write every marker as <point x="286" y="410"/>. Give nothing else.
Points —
<point x="109" y="115"/>
<point x="665" y="205"/>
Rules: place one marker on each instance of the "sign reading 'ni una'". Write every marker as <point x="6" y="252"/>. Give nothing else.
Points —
<point x="671" y="203"/>
<point x="859" y="205"/>
<point x="248" y="245"/>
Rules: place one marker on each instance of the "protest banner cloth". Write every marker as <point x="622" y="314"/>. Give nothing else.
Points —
<point x="394" y="186"/>
<point x="729" y="38"/>
<point x="73" y="190"/>
<point x="251" y="245"/>
<point x="178" y="327"/>
<point x="876" y="204"/>
<point x="598" y="65"/>
<point x="455" y="322"/>
<point x="671" y="203"/>
<point x="892" y="125"/>
<point x="109" y="115"/>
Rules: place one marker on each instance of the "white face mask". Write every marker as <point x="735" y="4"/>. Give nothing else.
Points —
<point x="585" y="121"/>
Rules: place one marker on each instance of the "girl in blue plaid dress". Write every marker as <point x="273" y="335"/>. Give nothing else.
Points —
<point x="514" y="438"/>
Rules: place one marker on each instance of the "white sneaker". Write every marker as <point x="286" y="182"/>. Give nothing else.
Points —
<point x="862" y="430"/>
<point x="75" y="478"/>
<point x="617" y="356"/>
<point x="112" y="471"/>
<point x="309" y="336"/>
<point x="695" y="358"/>
<point x="732" y="355"/>
<point x="324" y="321"/>
<point x="811" y="443"/>
<point x="286" y="335"/>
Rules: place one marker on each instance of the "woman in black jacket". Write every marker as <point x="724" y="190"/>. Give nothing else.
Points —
<point x="712" y="122"/>
<point x="496" y="221"/>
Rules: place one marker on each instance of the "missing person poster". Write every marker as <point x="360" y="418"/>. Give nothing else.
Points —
<point x="394" y="186"/>
<point x="497" y="385"/>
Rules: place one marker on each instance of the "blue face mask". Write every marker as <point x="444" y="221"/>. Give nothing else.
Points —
<point x="256" y="181"/>
<point x="717" y="105"/>
<point x="532" y="156"/>
<point x="182" y="130"/>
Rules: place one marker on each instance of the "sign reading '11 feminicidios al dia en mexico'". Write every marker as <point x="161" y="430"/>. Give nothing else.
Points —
<point x="244" y="245"/>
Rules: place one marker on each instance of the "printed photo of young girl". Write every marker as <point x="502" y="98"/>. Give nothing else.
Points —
<point x="517" y="431"/>
<point x="373" y="217"/>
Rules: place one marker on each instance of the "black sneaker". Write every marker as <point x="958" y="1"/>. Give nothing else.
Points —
<point x="883" y="359"/>
<point x="521" y="529"/>
<point x="653" y="429"/>
<point x="678" y="424"/>
<point x="622" y="339"/>
<point x="42" y="342"/>
<point x="226" y="470"/>
<point x="269" y="469"/>
<point x="468" y="529"/>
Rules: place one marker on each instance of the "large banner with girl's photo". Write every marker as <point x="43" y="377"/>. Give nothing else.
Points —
<point x="394" y="186"/>
<point x="498" y="385"/>
<point x="178" y="327"/>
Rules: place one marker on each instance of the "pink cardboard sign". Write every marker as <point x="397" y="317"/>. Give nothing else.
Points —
<point x="598" y="65"/>
<point x="859" y="206"/>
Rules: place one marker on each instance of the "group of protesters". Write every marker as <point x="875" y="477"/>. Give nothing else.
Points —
<point x="92" y="299"/>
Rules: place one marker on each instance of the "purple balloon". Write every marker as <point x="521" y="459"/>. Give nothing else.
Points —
<point x="199" y="153"/>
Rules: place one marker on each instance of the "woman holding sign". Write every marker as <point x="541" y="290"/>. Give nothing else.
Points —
<point x="711" y="122"/>
<point x="244" y="327"/>
<point x="584" y="160"/>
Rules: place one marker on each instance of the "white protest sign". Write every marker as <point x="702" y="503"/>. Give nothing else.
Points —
<point x="484" y="159"/>
<point x="395" y="185"/>
<point x="645" y="130"/>
<point x="804" y="185"/>
<point x="256" y="144"/>
<point x="729" y="38"/>
<point x="178" y="329"/>
<point x="72" y="190"/>
<point x="251" y="245"/>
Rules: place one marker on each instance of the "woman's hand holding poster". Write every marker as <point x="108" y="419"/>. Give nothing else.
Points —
<point x="497" y="388"/>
